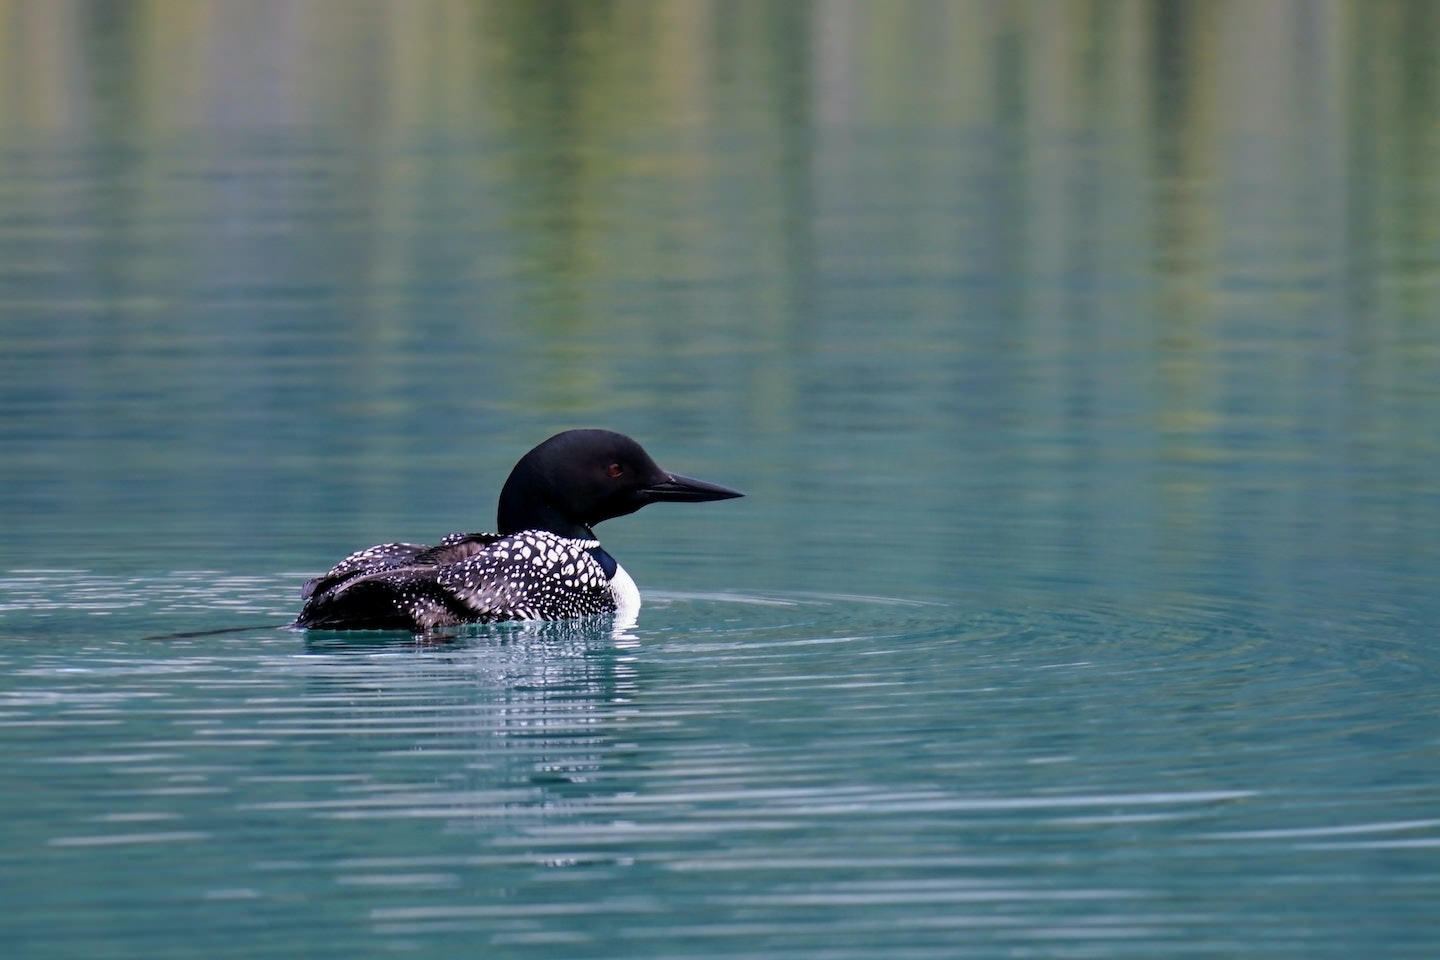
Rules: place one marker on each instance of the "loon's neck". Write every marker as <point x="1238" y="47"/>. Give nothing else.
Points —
<point x="520" y="512"/>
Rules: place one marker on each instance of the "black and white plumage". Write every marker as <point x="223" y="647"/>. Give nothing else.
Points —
<point x="544" y="564"/>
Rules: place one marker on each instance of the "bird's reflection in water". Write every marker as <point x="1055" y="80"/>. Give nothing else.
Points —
<point x="528" y="711"/>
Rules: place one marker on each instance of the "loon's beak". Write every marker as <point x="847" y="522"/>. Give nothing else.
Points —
<point x="677" y="489"/>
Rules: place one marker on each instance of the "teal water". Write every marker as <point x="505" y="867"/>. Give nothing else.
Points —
<point x="1080" y="362"/>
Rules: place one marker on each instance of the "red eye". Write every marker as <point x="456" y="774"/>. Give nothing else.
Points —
<point x="614" y="470"/>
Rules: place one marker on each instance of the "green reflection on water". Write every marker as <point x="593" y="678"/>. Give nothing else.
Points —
<point x="271" y="272"/>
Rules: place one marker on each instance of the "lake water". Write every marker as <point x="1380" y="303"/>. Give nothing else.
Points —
<point x="1080" y="362"/>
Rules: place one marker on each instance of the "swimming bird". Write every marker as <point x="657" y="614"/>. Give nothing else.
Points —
<point x="545" y="563"/>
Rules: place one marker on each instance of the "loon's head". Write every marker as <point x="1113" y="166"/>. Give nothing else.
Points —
<point x="578" y="478"/>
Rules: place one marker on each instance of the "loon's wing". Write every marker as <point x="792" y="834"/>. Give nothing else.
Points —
<point x="392" y="556"/>
<point x="399" y="586"/>
<point x="399" y="598"/>
<point x="415" y="597"/>
<point x="382" y="556"/>
<point x="456" y="547"/>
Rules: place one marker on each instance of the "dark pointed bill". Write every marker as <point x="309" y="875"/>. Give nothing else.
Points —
<point x="678" y="489"/>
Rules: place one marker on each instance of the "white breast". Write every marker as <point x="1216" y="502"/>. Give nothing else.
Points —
<point x="626" y="594"/>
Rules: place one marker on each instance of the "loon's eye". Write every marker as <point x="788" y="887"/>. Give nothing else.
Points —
<point x="614" y="470"/>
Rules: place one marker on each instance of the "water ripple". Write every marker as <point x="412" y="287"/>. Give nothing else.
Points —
<point x="731" y="767"/>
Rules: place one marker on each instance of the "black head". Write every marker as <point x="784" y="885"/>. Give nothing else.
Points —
<point x="578" y="478"/>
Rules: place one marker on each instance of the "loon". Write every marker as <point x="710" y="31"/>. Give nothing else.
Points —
<point x="545" y="563"/>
